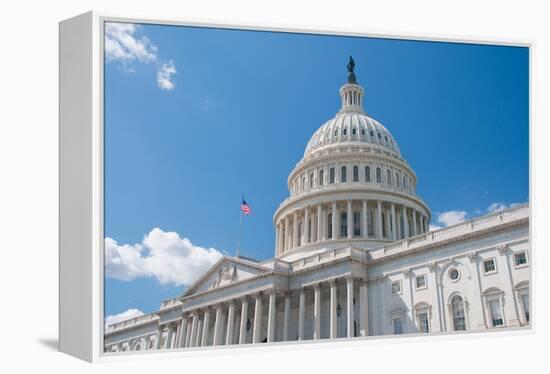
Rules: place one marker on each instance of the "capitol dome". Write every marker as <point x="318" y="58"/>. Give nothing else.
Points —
<point x="351" y="187"/>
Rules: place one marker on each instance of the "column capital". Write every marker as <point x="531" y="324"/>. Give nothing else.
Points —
<point x="432" y="266"/>
<point x="406" y="272"/>
<point x="317" y="285"/>
<point x="333" y="282"/>
<point x="502" y="249"/>
<point x="473" y="257"/>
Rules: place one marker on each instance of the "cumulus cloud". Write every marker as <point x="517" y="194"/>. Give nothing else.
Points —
<point x="451" y="217"/>
<point x="164" y="76"/>
<point x="497" y="207"/>
<point x="126" y="315"/>
<point x="163" y="255"/>
<point x="122" y="44"/>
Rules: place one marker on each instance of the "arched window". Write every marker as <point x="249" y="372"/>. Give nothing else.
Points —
<point x="397" y="179"/>
<point x="388" y="177"/>
<point x="345" y="132"/>
<point x="336" y="132"/>
<point x="311" y="180"/>
<point x="457" y="310"/>
<point x="378" y="175"/>
<point x="363" y="132"/>
<point x="367" y="173"/>
<point x="300" y="230"/>
<point x="331" y="175"/>
<point x="356" y="173"/>
<point x="354" y="131"/>
<point x="343" y="177"/>
<point x="329" y="226"/>
<point x="321" y="177"/>
<point x="404" y="182"/>
<point x="343" y="224"/>
<point x="303" y="183"/>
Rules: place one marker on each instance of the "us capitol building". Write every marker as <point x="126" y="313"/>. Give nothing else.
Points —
<point x="354" y="257"/>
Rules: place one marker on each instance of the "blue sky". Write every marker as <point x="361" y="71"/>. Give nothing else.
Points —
<point x="195" y="117"/>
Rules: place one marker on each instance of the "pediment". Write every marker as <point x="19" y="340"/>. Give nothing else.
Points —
<point x="225" y="272"/>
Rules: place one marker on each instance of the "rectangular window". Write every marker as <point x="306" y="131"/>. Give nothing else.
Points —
<point x="329" y="229"/>
<point x="423" y="322"/>
<point x="343" y="225"/>
<point x="489" y="266"/>
<point x="525" y="303"/>
<point x="420" y="282"/>
<point x="496" y="313"/>
<point x="520" y="258"/>
<point x="356" y="223"/>
<point x="398" y="326"/>
<point x="396" y="287"/>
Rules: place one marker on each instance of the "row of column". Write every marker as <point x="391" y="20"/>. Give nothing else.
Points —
<point x="193" y="330"/>
<point x="310" y="224"/>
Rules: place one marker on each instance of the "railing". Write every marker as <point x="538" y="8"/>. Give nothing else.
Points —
<point x="131" y="322"/>
<point x="511" y="214"/>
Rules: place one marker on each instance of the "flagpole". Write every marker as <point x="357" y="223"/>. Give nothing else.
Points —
<point x="240" y="235"/>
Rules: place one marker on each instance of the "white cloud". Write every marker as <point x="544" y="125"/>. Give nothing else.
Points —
<point x="163" y="255"/>
<point x="164" y="76"/>
<point x="122" y="44"/>
<point x="434" y="227"/>
<point x="497" y="207"/>
<point x="451" y="217"/>
<point x="129" y="314"/>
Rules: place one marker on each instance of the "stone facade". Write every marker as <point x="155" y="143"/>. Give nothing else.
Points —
<point x="354" y="257"/>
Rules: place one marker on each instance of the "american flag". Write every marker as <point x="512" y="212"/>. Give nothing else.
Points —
<point x="245" y="208"/>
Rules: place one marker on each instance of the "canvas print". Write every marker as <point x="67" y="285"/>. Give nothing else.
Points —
<point x="277" y="187"/>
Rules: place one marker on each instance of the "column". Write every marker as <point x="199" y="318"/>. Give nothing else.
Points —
<point x="363" y="309"/>
<point x="393" y="226"/>
<point x="350" y="220"/>
<point x="159" y="337"/>
<point x="305" y="231"/>
<point x="295" y="229"/>
<point x="193" y="337"/>
<point x="277" y="238"/>
<point x="287" y="234"/>
<point x="511" y="315"/>
<point x="317" y="312"/>
<point x="169" y="337"/>
<point x="364" y="230"/>
<point x="230" y="323"/>
<point x="205" y="328"/>
<point x="256" y="335"/>
<point x="301" y="314"/>
<point x="478" y="305"/>
<point x="388" y="223"/>
<point x="379" y="220"/>
<point x="350" y="304"/>
<point x="334" y="213"/>
<point x="286" y="322"/>
<point x="413" y="231"/>
<point x="333" y="307"/>
<point x="244" y="319"/>
<point x="405" y="222"/>
<point x="198" y="341"/>
<point x="320" y="223"/>
<point x="218" y="325"/>
<point x="272" y="313"/>
<point x="183" y="332"/>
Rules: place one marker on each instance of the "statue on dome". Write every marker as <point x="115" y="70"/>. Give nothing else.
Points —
<point x="351" y="68"/>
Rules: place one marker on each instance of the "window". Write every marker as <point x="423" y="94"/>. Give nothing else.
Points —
<point x="378" y="175"/>
<point x="329" y="224"/>
<point x="356" y="173"/>
<point x="300" y="230"/>
<point x="397" y="179"/>
<point x="388" y="177"/>
<point x="303" y="183"/>
<point x="343" y="177"/>
<point x="385" y="137"/>
<point x="520" y="258"/>
<point x="343" y="224"/>
<point x="354" y="131"/>
<point x="489" y="266"/>
<point x="331" y="175"/>
<point x="525" y="303"/>
<point x="335" y="132"/>
<point x="321" y="177"/>
<point x="404" y="182"/>
<point x="454" y="274"/>
<point x="423" y="322"/>
<point x="457" y="310"/>
<point x="396" y="288"/>
<point x="311" y="180"/>
<point x="371" y="133"/>
<point x="345" y="132"/>
<point x="379" y="136"/>
<point x="398" y="326"/>
<point x="421" y="282"/>
<point x="363" y="132"/>
<point x="356" y="223"/>
<point x="496" y="313"/>
<point x="367" y="173"/>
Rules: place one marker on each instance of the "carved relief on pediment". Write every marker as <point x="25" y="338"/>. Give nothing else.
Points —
<point x="226" y="274"/>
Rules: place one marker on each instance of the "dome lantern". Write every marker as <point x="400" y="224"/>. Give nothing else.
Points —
<point x="351" y="93"/>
